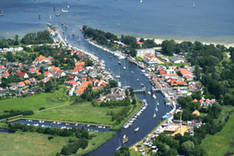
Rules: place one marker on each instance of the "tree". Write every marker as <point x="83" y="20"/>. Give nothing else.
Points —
<point x="168" y="47"/>
<point x="123" y="151"/>
<point x="187" y="147"/>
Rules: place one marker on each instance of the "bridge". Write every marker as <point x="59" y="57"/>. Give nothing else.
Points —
<point x="143" y="90"/>
<point x="155" y="89"/>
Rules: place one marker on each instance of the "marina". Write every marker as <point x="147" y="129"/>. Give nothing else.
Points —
<point x="61" y="125"/>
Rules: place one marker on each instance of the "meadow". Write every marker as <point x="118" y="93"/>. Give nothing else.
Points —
<point x="222" y="142"/>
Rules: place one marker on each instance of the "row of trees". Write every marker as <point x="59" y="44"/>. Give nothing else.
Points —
<point x="79" y="133"/>
<point x="12" y="113"/>
<point x="30" y="38"/>
<point x="108" y="39"/>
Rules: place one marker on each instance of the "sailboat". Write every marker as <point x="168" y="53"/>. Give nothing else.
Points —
<point x="194" y="5"/>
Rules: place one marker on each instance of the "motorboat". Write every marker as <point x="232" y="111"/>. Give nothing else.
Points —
<point x="154" y="115"/>
<point x="125" y="139"/>
<point x="117" y="76"/>
<point x="124" y="67"/>
<point x="1" y="12"/>
<point x="64" y="11"/>
<point x="136" y="129"/>
<point x="154" y="96"/>
<point x="149" y="92"/>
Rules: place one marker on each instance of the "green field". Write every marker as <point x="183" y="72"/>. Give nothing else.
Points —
<point x="35" y="102"/>
<point x="223" y="141"/>
<point x="98" y="140"/>
<point x="30" y="144"/>
<point x="83" y="112"/>
<point x="134" y="153"/>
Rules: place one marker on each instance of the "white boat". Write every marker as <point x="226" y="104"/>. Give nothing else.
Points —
<point x="154" y="96"/>
<point x="124" y="67"/>
<point x="141" y="1"/>
<point x="154" y="115"/>
<point x="136" y="129"/>
<point x="156" y="109"/>
<point x="64" y="11"/>
<point x="117" y="76"/>
<point x="1" y="12"/>
<point x="125" y="139"/>
<point x="149" y="92"/>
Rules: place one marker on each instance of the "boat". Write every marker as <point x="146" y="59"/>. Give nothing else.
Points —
<point x="154" y="96"/>
<point x="58" y="14"/>
<point x="125" y="139"/>
<point x="154" y="115"/>
<point x="156" y="109"/>
<point x="194" y="5"/>
<point x="64" y="11"/>
<point x="149" y="92"/>
<point x="136" y="129"/>
<point x="141" y="1"/>
<point x="1" y="12"/>
<point x="124" y="67"/>
<point x="117" y="76"/>
<point x="119" y="62"/>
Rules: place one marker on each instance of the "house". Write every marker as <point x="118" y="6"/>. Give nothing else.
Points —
<point x="150" y="59"/>
<point x="80" y="89"/>
<point x="27" y="82"/>
<point x="6" y="74"/>
<point x="186" y="74"/>
<point x="21" y="84"/>
<point x="22" y="74"/>
<point x="196" y="112"/>
<point x="176" y="59"/>
<point x="114" y="97"/>
<point x="142" y="52"/>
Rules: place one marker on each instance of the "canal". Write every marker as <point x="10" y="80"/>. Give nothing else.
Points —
<point x="130" y="76"/>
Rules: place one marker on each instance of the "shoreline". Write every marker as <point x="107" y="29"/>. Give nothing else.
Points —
<point x="227" y="41"/>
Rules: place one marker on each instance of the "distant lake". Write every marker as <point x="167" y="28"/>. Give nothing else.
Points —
<point x="211" y="20"/>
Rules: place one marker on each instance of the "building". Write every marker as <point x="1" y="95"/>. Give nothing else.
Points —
<point x="176" y="59"/>
<point x="142" y="52"/>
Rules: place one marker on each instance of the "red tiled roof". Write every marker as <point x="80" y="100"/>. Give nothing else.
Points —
<point x="21" y="74"/>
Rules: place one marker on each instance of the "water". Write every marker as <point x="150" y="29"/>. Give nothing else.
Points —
<point x="211" y="19"/>
<point x="192" y="19"/>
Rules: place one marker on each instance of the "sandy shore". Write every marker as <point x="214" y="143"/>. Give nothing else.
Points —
<point x="227" y="45"/>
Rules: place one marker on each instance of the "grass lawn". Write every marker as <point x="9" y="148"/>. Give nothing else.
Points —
<point x="223" y="141"/>
<point x="83" y="112"/>
<point x="30" y="144"/>
<point x="35" y="102"/>
<point x="134" y="153"/>
<point x="95" y="142"/>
